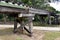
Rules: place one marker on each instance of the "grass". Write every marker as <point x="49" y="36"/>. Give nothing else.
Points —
<point x="44" y="24"/>
<point x="51" y="35"/>
<point x="18" y="38"/>
<point x="7" y="34"/>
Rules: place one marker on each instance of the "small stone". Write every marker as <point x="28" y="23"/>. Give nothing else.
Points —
<point x="24" y="5"/>
<point x="21" y="5"/>
<point x="3" y="1"/>
<point x="10" y="3"/>
<point x="16" y="4"/>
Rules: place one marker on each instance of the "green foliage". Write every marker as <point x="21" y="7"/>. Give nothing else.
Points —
<point x="22" y="19"/>
<point x="1" y="16"/>
<point x="18" y="0"/>
<point x="33" y="3"/>
<point x="51" y="9"/>
<point x="36" y="18"/>
<point x="58" y="12"/>
<point x="10" y="18"/>
<point x="25" y="1"/>
<point x="18" y="38"/>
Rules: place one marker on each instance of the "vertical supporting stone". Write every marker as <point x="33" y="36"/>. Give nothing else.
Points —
<point x="30" y="25"/>
<point x="15" y="25"/>
<point x="22" y="25"/>
<point x="49" y="19"/>
<point x="56" y="19"/>
<point x="4" y="15"/>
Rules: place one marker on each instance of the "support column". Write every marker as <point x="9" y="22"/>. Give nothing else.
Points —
<point x="30" y="25"/>
<point x="4" y="15"/>
<point x="49" y="19"/>
<point x="15" y="25"/>
<point x="22" y="25"/>
<point x="56" y="19"/>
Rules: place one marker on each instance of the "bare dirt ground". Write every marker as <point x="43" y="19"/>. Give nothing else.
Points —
<point x="57" y="38"/>
<point x="7" y="34"/>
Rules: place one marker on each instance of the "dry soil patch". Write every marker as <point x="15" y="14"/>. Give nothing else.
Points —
<point x="7" y="34"/>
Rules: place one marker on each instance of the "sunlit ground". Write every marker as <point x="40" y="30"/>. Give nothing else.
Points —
<point x="7" y="34"/>
<point x="52" y="36"/>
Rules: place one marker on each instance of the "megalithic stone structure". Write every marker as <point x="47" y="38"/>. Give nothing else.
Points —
<point x="18" y="11"/>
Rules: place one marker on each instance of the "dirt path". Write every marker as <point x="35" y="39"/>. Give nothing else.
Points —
<point x="34" y="27"/>
<point x="57" y="38"/>
<point x="38" y="35"/>
<point x="7" y="34"/>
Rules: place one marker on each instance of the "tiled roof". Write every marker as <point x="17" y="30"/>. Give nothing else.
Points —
<point x="9" y="4"/>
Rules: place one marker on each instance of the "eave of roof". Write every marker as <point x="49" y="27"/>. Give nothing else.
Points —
<point x="12" y="5"/>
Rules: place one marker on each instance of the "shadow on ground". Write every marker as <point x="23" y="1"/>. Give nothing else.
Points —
<point x="9" y="31"/>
